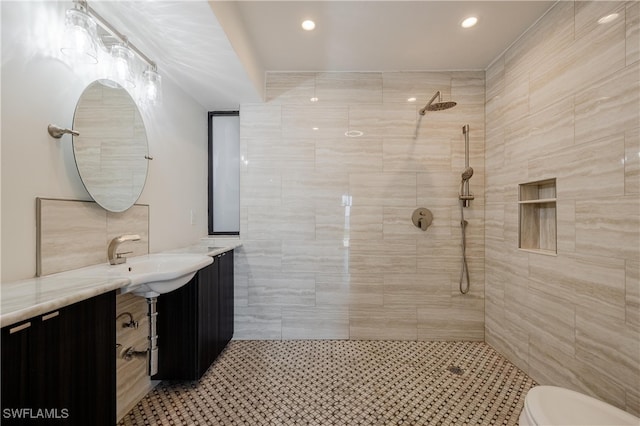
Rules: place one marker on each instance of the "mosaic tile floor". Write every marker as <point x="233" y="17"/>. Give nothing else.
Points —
<point x="343" y="382"/>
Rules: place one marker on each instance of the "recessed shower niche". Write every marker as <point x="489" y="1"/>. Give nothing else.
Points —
<point x="538" y="231"/>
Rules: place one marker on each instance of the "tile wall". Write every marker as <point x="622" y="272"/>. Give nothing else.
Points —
<point x="329" y="250"/>
<point x="564" y="102"/>
<point x="72" y="234"/>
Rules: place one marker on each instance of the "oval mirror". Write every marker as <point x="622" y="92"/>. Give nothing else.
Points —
<point x="111" y="148"/>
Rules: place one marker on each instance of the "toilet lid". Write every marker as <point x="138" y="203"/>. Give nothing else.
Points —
<point x="551" y="405"/>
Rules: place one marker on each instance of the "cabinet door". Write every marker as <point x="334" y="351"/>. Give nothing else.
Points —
<point x="195" y="322"/>
<point x="88" y="328"/>
<point x="225" y="300"/>
<point x="64" y="364"/>
<point x="178" y="330"/>
<point x="208" y="314"/>
<point x="51" y="360"/>
<point x="16" y="349"/>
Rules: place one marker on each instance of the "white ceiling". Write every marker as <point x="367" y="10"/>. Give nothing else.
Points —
<point x="220" y="60"/>
<point x="385" y="35"/>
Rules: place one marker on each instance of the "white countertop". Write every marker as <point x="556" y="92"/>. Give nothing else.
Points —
<point x="24" y="299"/>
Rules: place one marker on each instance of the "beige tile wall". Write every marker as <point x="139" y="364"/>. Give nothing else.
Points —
<point x="329" y="250"/>
<point x="564" y="102"/>
<point x="73" y="234"/>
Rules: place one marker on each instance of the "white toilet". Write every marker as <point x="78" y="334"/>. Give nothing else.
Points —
<point x="551" y="405"/>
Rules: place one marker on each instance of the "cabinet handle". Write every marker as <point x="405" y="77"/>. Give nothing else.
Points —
<point x="51" y="315"/>
<point x="20" y="327"/>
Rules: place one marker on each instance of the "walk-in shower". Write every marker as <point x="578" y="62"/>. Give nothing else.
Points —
<point x="465" y="197"/>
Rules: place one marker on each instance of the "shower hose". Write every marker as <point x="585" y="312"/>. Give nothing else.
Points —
<point x="464" y="272"/>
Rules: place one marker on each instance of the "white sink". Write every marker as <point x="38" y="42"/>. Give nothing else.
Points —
<point x="154" y="274"/>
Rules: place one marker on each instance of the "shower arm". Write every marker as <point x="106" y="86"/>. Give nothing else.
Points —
<point x="423" y="110"/>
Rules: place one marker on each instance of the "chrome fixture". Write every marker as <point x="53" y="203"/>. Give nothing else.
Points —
<point x="422" y="218"/>
<point x="118" y="258"/>
<point x="438" y="106"/>
<point x="87" y="33"/>
<point x="464" y="272"/>
<point x="131" y="323"/>
<point x="129" y="353"/>
<point x="152" y="313"/>
<point x="464" y="186"/>
<point x="430" y="106"/>
<point x="465" y="196"/>
<point x="151" y="353"/>
<point x="57" y="131"/>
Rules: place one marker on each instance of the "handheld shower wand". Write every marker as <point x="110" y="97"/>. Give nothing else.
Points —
<point x="465" y="196"/>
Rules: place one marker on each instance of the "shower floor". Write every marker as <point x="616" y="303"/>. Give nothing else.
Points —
<point x="343" y="382"/>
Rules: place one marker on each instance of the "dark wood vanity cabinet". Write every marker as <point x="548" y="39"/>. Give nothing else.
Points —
<point x="59" y="368"/>
<point x="195" y="322"/>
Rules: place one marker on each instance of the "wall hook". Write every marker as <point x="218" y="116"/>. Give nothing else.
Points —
<point x="422" y="218"/>
<point x="57" y="131"/>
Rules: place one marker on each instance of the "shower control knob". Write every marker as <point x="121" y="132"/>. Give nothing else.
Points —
<point x="422" y="218"/>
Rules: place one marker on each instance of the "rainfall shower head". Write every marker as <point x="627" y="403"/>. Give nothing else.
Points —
<point x="438" y="106"/>
<point x="466" y="175"/>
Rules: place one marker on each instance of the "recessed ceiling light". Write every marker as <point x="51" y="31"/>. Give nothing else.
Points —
<point x="469" y="22"/>
<point x="308" y="25"/>
<point x="314" y="99"/>
<point x="608" y="18"/>
<point x="411" y="99"/>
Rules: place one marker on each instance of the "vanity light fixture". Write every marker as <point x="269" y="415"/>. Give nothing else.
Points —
<point x="469" y="22"/>
<point x="85" y="27"/>
<point x="80" y="39"/>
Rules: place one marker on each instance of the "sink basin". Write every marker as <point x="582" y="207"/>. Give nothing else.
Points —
<point x="153" y="274"/>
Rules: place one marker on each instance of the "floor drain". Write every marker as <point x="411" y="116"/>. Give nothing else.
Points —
<point x="455" y="370"/>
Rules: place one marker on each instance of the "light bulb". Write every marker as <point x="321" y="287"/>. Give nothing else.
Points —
<point x="308" y="25"/>
<point x="80" y="39"/>
<point x="120" y="72"/>
<point x="151" y="86"/>
<point x="469" y="22"/>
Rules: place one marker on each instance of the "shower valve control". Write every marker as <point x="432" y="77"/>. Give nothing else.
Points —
<point x="422" y="218"/>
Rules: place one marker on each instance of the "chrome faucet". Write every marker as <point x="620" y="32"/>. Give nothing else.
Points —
<point x="118" y="258"/>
